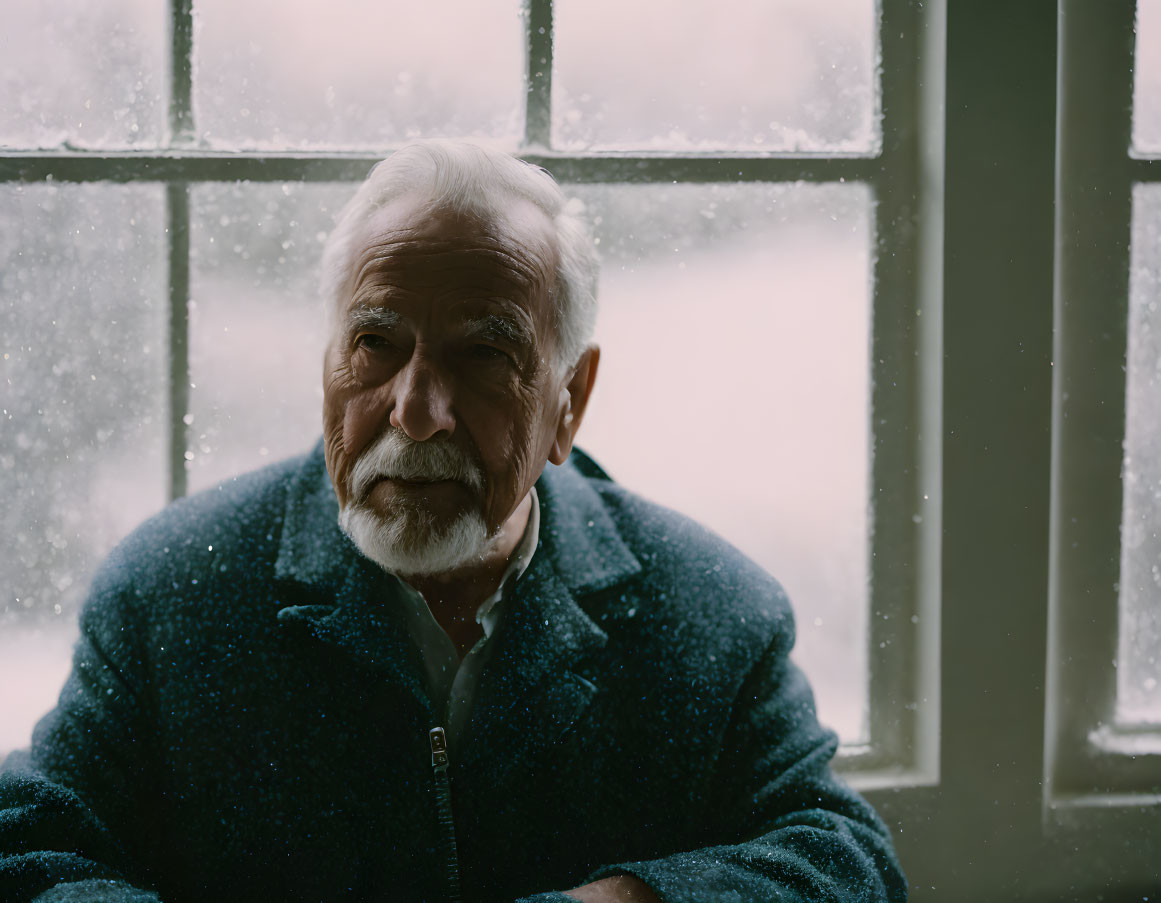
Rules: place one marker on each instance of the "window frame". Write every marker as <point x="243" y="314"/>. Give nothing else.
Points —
<point x="990" y="828"/>
<point x="903" y="446"/>
<point x="1090" y="761"/>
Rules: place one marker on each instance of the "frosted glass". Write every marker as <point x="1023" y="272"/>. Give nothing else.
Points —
<point x="1139" y="658"/>
<point x="90" y="75"/>
<point x="256" y="324"/>
<point x="296" y="73"/>
<point x="83" y="361"/>
<point x="746" y="75"/>
<point x="1147" y="78"/>
<point x="734" y="386"/>
<point x="82" y="442"/>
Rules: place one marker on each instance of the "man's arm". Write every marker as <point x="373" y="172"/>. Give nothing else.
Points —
<point x="785" y="828"/>
<point x="69" y="807"/>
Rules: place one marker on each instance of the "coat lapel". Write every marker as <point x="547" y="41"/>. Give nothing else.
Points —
<point x="350" y="615"/>
<point x="532" y="689"/>
<point x="529" y="694"/>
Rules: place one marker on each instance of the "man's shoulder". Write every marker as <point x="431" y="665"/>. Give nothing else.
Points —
<point x="688" y="571"/>
<point x="237" y="520"/>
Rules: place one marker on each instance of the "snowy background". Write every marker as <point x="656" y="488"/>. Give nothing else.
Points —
<point x="735" y="320"/>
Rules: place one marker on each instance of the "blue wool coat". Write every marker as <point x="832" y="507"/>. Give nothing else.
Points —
<point x="245" y="720"/>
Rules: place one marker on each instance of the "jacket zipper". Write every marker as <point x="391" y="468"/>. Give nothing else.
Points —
<point x="439" y="764"/>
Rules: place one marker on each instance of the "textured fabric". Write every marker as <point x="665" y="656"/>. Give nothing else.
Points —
<point x="246" y="720"/>
<point x="96" y="892"/>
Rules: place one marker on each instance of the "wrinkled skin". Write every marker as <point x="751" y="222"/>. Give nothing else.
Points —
<point x="446" y="331"/>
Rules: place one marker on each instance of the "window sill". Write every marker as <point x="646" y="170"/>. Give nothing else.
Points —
<point x="1135" y="741"/>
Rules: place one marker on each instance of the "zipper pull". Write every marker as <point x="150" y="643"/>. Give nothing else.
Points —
<point x="438" y="740"/>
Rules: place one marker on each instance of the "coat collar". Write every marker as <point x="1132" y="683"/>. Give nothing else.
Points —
<point x="342" y="589"/>
<point x="312" y="549"/>
<point x="543" y="631"/>
<point x="577" y="533"/>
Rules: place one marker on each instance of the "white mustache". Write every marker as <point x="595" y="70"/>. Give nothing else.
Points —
<point x="396" y="456"/>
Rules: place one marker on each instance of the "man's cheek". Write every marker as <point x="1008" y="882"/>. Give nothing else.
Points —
<point x="338" y="462"/>
<point x="364" y="418"/>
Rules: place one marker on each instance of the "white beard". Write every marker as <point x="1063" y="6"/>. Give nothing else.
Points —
<point x="407" y="540"/>
<point x="407" y="543"/>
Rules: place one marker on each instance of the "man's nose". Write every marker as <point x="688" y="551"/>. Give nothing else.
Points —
<point x="422" y="400"/>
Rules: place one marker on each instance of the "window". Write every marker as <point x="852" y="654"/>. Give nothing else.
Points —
<point x="1105" y="713"/>
<point x="1139" y="644"/>
<point x="749" y="232"/>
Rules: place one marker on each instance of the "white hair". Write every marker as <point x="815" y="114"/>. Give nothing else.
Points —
<point x="407" y="540"/>
<point x="465" y="177"/>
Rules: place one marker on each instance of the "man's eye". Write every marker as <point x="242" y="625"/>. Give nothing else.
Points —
<point x="487" y="353"/>
<point x="372" y="342"/>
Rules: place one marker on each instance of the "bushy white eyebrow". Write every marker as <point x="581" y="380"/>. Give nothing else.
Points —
<point x="496" y="326"/>
<point x="373" y="318"/>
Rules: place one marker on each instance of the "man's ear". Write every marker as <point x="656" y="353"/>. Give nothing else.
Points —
<point x="574" y="400"/>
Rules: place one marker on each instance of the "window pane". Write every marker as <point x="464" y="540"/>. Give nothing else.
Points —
<point x="90" y="74"/>
<point x="1147" y="78"/>
<point x="82" y="459"/>
<point x="747" y="75"/>
<point x="735" y="334"/>
<point x="256" y="323"/>
<point x="352" y="74"/>
<point x="1139" y="660"/>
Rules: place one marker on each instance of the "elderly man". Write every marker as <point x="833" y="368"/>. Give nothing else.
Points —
<point x="443" y="656"/>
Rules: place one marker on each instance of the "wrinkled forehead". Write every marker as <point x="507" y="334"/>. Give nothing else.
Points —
<point x="408" y="246"/>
